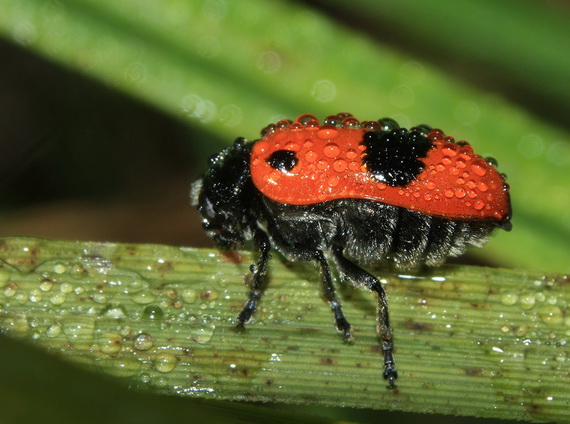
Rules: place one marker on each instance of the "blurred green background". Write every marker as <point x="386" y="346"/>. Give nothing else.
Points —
<point x="110" y="109"/>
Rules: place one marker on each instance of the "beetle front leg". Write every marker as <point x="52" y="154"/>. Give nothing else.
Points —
<point x="329" y="292"/>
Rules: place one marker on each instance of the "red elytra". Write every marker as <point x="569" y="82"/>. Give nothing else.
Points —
<point x="455" y="183"/>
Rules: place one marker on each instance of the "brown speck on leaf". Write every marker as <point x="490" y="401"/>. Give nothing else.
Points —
<point x="231" y="256"/>
<point x="473" y="371"/>
<point x="417" y="326"/>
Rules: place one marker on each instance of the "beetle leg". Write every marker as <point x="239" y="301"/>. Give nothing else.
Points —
<point x="258" y="270"/>
<point x="358" y="276"/>
<point x="329" y="292"/>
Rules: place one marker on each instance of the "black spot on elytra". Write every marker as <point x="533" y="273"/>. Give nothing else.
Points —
<point x="283" y="160"/>
<point x="393" y="157"/>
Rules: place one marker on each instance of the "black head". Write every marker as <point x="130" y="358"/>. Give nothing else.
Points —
<point x="223" y="196"/>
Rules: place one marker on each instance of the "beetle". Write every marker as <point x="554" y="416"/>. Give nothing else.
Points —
<point x="351" y="193"/>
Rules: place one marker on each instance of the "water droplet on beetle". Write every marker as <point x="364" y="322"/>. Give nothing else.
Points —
<point x="327" y="133"/>
<point x="340" y="165"/>
<point x="311" y="156"/>
<point x="331" y="150"/>
<point x="479" y="168"/>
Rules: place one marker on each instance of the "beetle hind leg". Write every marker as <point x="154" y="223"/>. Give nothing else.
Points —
<point x="358" y="276"/>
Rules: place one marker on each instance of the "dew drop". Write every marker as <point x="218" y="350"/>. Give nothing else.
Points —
<point x="527" y="301"/>
<point x="311" y="156"/>
<point x="459" y="193"/>
<point x="144" y="297"/>
<point x="340" y="165"/>
<point x="114" y="311"/>
<point x="450" y="150"/>
<point x="59" y="268"/>
<point x="111" y="343"/>
<point x="189" y="295"/>
<point x="35" y="296"/>
<point x="551" y="314"/>
<point x="283" y="125"/>
<point x="331" y="150"/>
<point x="153" y="312"/>
<point x="351" y="122"/>
<point x="66" y="288"/>
<point x="460" y="163"/>
<point x="327" y="133"/>
<point x="351" y="154"/>
<point x="143" y="341"/>
<point x="203" y="335"/>
<point x="46" y="285"/>
<point x="53" y="330"/>
<point x="479" y="168"/>
<point x="209" y="295"/>
<point x="305" y="118"/>
<point x="10" y="289"/>
<point x="165" y="362"/>
<point x="57" y="298"/>
<point x="100" y="298"/>
<point x="333" y="181"/>
<point x="294" y="147"/>
<point x="478" y="204"/>
<point x="509" y="298"/>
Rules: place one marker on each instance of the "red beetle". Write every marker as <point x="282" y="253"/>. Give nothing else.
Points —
<point x="349" y="191"/>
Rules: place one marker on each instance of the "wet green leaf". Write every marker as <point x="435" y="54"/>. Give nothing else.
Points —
<point x="469" y="340"/>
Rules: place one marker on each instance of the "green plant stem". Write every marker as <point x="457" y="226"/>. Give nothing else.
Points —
<point x="469" y="340"/>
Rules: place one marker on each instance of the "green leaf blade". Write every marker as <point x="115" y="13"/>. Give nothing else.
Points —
<point x="469" y="341"/>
